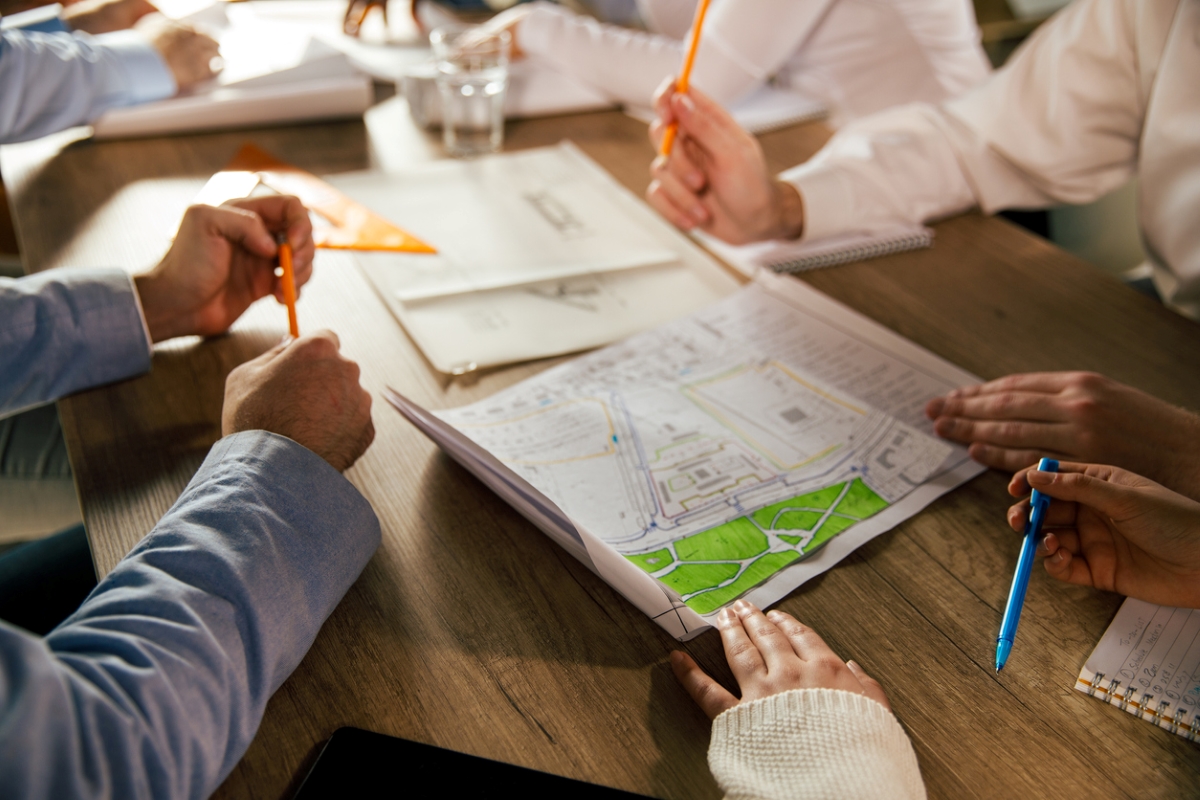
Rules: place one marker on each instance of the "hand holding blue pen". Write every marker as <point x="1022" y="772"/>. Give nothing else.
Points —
<point x="1038" y="503"/>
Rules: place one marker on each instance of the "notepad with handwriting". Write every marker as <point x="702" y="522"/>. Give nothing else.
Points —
<point x="1148" y="664"/>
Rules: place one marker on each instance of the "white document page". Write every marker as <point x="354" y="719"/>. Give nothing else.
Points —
<point x="505" y="220"/>
<point x="1148" y="663"/>
<point x="737" y="452"/>
<point x="274" y="71"/>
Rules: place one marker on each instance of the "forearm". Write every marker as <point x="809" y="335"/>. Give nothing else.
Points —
<point x="624" y="64"/>
<point x="62" y="331"/>
<point x="813" y="743"/>
<point x="629" y="65"/>
<point x="156" y="686"/>
<point x="54" y="81"/>
<point x="1060" y="123"/>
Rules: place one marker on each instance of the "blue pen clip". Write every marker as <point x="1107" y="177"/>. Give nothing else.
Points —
<point x="1038" y="505"/>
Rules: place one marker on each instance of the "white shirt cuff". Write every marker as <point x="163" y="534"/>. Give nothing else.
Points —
<point x="828" y="205"/>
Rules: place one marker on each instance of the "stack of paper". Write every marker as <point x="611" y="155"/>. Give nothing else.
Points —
<point x="737" y="452"/>
<point x="540" y="253"/>
<point x="273" y="72"/>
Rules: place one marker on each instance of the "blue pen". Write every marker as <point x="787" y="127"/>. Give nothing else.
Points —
<point x="1038" y="503"/>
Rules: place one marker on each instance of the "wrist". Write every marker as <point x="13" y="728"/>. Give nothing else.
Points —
<point x="789" y="211"/>
<point x="162" y="320"/>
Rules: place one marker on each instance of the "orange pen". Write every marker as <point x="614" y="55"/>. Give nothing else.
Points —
<point x="289" y="283"/>
<point x="681" y="86"/>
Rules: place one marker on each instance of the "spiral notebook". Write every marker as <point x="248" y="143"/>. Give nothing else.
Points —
<point x="1148" y="664"/>
<point x="800" y="256"/>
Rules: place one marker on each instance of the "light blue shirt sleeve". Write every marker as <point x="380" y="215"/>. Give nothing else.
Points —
<point x="53" y="81"/>
<point x="157" y="684"/>
<point x="65" y="330"/>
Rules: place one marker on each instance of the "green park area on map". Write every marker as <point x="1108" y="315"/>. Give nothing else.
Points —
<point x="714" y="567"/>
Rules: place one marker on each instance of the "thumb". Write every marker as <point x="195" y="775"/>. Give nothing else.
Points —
<point x="1111" y="499"/>
<point x="708" y="694"/>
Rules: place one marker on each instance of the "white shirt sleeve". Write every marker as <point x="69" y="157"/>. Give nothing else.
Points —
<point x="1058" y="124"/>
<point x="737" y="53"/>
<point x="812" y="744"/>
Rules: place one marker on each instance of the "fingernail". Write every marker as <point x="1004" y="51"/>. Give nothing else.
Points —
<point x="853" y="663"/>
<point x="695" y="180"/>
<point x="933" y="408"/>
<point x="686" y="104"/>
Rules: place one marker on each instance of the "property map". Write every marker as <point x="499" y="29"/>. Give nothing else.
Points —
<point x="715" y="451"/>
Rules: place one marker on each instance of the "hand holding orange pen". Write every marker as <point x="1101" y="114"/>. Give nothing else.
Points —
<point x="681" y="86"/>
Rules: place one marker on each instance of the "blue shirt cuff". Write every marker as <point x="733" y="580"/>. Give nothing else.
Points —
<point x="146" y="76"/>
<point x="47" y="19"/>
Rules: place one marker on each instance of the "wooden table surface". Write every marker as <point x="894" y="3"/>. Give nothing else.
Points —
<point x="469" y="629"/>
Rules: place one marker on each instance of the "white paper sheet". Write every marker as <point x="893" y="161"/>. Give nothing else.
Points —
<point x="274" y="71"/>
<point x="506" y="220"/>
<point x="735" y="453"/>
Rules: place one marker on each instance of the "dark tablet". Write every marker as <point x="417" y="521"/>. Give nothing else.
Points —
<point x="357" y="763"/>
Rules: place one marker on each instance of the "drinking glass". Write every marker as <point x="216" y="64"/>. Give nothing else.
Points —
<point x="472" y="79"/>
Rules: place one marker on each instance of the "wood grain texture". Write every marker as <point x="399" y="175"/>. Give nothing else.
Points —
<point x="469" y="629"/>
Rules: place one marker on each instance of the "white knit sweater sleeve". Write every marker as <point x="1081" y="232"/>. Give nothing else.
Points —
<point x="813" y="743"/>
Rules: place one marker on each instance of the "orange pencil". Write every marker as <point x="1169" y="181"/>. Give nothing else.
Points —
<point x="681" y="86"/>
<point x="289" y="283"/>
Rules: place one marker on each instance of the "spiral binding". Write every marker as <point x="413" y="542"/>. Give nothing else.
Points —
<point x="883" y="247"/>
<point x="1144" y="708"/>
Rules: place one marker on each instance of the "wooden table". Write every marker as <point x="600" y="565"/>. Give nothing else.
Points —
<point x="469" y="629"/>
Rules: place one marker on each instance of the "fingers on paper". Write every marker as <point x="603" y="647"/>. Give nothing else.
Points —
<point x="711" y="696"/>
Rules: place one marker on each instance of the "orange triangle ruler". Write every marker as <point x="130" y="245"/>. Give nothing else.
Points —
<point x="353" y="226"/>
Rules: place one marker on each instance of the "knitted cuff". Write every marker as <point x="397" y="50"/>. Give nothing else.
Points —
<point x="813" y="743"/>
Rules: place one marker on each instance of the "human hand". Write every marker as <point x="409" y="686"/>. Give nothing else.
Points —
<point x="222" y="260"/>
<point x="716" y="176"/>
<point x="1075" y="416"/>
<point x="1117" y="531"/>
<point x="305" y="390"/>
<point x="187" y="53"/>
<point x="105" y="16"/>
<point x="769" y="654"/>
